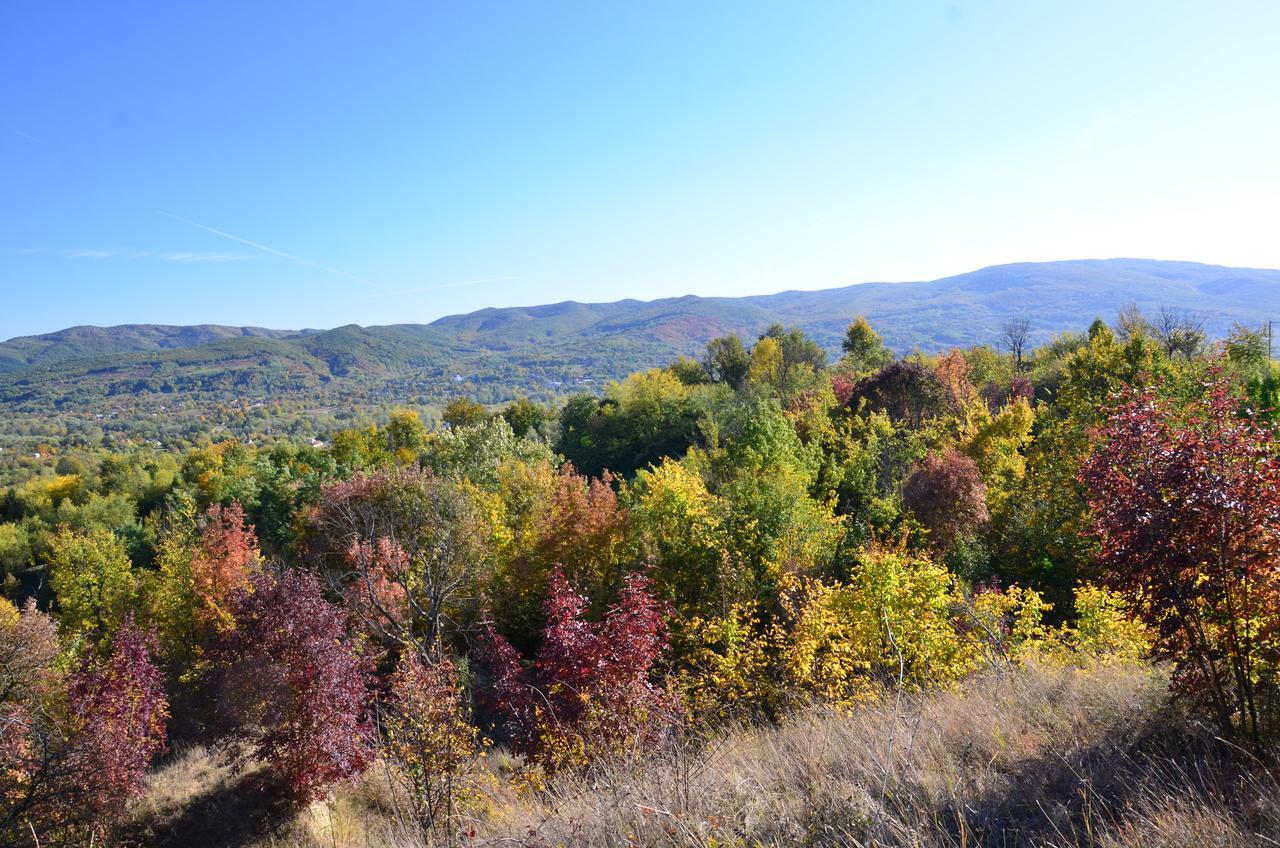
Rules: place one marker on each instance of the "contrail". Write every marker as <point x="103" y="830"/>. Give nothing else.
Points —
<point x="298" y="259"/>
<point x="30" y="137"/>
<point x="450" y="285"/>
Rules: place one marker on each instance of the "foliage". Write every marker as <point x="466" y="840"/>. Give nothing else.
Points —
<point x="74" y="749"/>
<point x="463" y="412"/>
<point x="908" y="392"/>
<point x="680" y="531"/>
<point x="119" y="708"/>
<point x="525" y="417"/>
<point x="755" y="492"/>
<point x="896" y="620"/>
<point x="92" y="580"/>
<point x="290" y="687"/>
<point x="864" y="350"/>
<point x="1186" y="500"/>
<point x="589" y="693"/>
<point x="727" y="361"/>
<point x="581" y="528"/>
<point x="947" y="494"/>
<point x="1104" y="627"/>
<point x="475" y="452"/>
<point x="428" y="737"/>
<point x="34" y="730"/>
<point x="422" y="534"/>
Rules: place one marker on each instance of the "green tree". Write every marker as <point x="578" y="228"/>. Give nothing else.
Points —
<point x="727" y="361"/>
<point x="525" y="416"/>
<point x="864" y="349"/>
<point x="92" y="580"/>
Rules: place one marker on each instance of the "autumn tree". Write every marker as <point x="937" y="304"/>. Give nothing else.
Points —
<point x="463" y="412"/>
<point x="1186" y="504"/>
<point x="679" y="531"/>
<point x="224" y="561"/>
<point x="1041" y="532"/>
<point x="404" y="534"/>
<point x="786" y="361"/>
<point x="947" y="494"/>
<point x="908" y="392"/>
<point x="427" y="735"/>
<point x="589" y="693"/>
<point x="953" y="371"/>
<point x="35" y="767"/>
<point x="406" y="435"/>
<point x="74" y="749"/>
<point x="291" y="690"/>
<point x="583" y="530"/>
<point x="120" y="709"/>
<point x="203" y="560"/>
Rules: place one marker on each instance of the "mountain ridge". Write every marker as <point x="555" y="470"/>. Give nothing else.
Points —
<point x="547" y="350"/>
<point x="43" y="348"/>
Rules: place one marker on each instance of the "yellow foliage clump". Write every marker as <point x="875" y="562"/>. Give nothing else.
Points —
<point x="729" y="661"/>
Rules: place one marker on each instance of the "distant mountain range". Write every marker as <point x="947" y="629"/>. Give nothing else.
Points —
<point x="495" y="353"/>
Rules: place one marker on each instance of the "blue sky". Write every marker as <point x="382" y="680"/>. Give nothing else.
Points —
<point x="312" y="164"/>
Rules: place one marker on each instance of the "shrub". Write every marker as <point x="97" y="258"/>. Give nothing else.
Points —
<point x="428" y="737"/>
<point x="1186" y="504"/>
<point x="589" y="692"/>
<point x="120" y="709"/>
<point x="291" y="689"/>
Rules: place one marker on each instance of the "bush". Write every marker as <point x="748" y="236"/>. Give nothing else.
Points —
<point x="589" y="693"/>
<point x="291" y="688"/>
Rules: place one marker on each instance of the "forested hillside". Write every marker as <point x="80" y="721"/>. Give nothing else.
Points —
<point x="761" y="596"/>
<point x="180" y="386"/>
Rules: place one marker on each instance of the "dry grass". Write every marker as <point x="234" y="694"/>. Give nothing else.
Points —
<point x="1044" y="756"/>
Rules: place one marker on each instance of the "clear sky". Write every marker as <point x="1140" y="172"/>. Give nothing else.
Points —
<point x="310" y="164"/>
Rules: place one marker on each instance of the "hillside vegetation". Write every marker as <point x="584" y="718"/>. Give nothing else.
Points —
<point x="758" y="597"/>
<point x="182" y="385"/>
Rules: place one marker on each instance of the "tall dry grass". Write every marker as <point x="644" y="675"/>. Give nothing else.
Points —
<point x="1042" y="756"/>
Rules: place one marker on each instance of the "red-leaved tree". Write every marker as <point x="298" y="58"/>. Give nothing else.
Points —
<point x="947" y="494"/>
<point x="120" y="710"/>
<point x="292" y="691"/>
<point x="589" y="692"/>
<point x="1186" y="503"/>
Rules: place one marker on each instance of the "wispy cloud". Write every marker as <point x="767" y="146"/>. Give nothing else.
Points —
<point x="265" y="249"/>
<point x="184" y="256"/>
<point x="214" y="257"/>
<point x="30" y="137"/>
<point x="455" y="285"/>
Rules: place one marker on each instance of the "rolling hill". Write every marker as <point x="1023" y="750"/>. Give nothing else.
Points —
<point x="545" y="351"/>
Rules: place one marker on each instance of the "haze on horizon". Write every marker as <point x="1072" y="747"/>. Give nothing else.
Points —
<point x="317" y="164"/>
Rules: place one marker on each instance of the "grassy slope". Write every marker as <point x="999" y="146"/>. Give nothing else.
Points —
<point x="1042" y="756"/>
